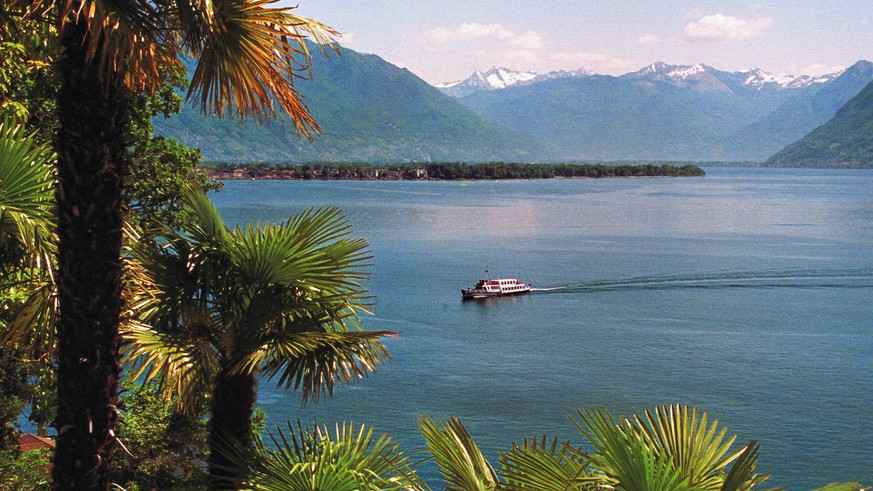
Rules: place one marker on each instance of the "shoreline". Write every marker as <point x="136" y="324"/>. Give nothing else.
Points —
<point x="450" y="172"/>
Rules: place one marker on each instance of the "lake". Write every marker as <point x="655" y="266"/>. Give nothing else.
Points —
<point x="747" y="293"/>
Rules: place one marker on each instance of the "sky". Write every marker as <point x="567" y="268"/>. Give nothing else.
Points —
<point x="442" y="41"/>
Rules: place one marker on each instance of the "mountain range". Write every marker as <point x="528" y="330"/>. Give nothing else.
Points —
<point x="373" y="111"/>
<point x="679" y="75"/>
<point x="844" y="141"/>
<point x="670" y="112"/>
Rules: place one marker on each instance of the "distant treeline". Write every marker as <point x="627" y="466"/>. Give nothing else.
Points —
<point x="547" y="171"/>
<point x="447" y="170"/>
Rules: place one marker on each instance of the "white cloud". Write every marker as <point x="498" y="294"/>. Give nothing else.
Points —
<point x="720" y="27"/>
<point x="647" y="38"/>
<point x="486" y="43"/>
<point x="528" y="40"/>
<point x="473" y="31"/>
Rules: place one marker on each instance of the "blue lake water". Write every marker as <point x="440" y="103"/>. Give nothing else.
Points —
<point x="747" y="293"/>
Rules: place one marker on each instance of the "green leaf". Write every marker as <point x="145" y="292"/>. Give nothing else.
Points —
<point x="536" y="465"/>
<point x="311" y="459"/>
<point x="461" y="463"/>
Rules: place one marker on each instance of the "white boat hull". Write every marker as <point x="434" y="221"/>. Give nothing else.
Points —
<point x="501" y="287"/>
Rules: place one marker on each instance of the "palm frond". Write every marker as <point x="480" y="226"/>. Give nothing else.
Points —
<point x="194" y="18"/>
<point x="167" y="286"/>
<point x="32" y="326"/>
<point x="186" y="367"/>
<point x="248" y="57"/>
<point x="699" y="450"/>
<point x="26" y="199"/>
<point x="277" y="311"/>
<point x="538" y="466"/>
<point x="461" y="463"/>
<point x="696" y="452"/>
<point x="208" y="227"/>
<point x="313" y="362"/>
<point x="281" y="300"/>
<point x="350" y="459"/>
<point x="131" y="41"/>
<point x="312" y="251"/>
<point x="320" y="225"/>
<point x="742" y="475"/>
<point x="626" y="461"/>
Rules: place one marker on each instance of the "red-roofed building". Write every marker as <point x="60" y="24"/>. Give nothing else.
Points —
<point x="28" y="442"/>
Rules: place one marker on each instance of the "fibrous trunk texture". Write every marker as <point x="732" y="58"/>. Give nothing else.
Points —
<point x="92" y="163"/>
<point x="233" y="403"/>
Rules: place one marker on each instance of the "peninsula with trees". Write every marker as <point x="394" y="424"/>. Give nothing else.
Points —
<point x="444" y="171"/>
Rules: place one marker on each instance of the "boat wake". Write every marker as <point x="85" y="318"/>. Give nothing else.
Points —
<point x="836" y="278"/>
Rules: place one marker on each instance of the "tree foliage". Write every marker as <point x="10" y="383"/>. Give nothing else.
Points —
<point x="163" y="449"/>
<point x="218" y="307"/>
<point x="27" y="83"/>
<point x="162" y="167"/>
<point x="313" y="458"/>
<point x="846" y="140"/>
<point x="454" y="170"/>
<point x="247" y="52"/>
<point x="673" y="448"/>
<point x="27" y="245"/>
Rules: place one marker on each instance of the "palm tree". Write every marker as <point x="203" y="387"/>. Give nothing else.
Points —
<point x="670" y="450"/>
<point x="312" y="459"/>
<point x="222" y="307"/>
<point x="246" y="53"/>
<point x="535" y="465"/>
<point x="27" y="246"/>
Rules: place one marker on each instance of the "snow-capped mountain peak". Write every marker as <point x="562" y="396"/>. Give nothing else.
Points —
<point x="698" y="77"/>
<point x="654" y="68"/>
<point x="704" y="77"/>
<point x="683" y="72"/>
<point x="755" y="77"/>
<point x="663" y="71"/>
<point x="493" y="78"/>
<point x="500" y="78"/>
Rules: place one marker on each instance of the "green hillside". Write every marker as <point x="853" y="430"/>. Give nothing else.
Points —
<point x="844" y="141"/>
<point x="369" y="110"/>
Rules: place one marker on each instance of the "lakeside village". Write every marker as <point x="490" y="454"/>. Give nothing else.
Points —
<point x="445" y="171"/>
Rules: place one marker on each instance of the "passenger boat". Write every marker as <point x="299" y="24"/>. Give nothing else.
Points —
<point x="499" y="287"/>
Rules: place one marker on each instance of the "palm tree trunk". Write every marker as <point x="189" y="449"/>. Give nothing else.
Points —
<point x="92" y="163"/>
<point x="233" y="403"/>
